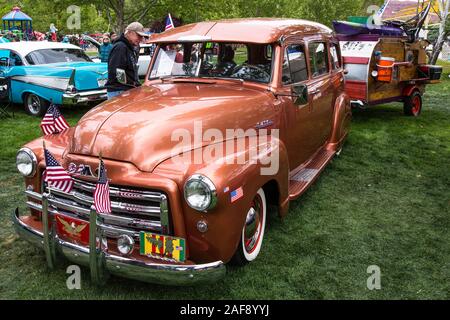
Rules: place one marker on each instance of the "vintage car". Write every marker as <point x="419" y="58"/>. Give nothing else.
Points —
<point x="40" y="72"/>
<point x="264" y="113"/>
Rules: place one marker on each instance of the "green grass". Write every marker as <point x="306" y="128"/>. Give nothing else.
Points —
<point x="385" y="201"/>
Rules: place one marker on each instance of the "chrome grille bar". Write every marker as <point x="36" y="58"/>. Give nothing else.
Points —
<point x="78" y="197"/>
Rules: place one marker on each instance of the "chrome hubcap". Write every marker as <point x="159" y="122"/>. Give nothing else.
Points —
<point x="33" y="103"/>
<point x="253" y="224"/>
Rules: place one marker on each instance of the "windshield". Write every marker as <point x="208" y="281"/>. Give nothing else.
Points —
<point x="45" y="56"/>
<point x="250" y="62"/>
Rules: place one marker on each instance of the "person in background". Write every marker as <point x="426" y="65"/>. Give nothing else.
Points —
<point x="65" y="39"/>
<point x="123" y="57"/>
<point x="105" y="48"/>
<point x="53" y="31"/>
<point x="113" y="36"/>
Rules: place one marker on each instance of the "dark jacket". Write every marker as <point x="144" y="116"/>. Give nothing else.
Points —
<point x="122" y="56"/>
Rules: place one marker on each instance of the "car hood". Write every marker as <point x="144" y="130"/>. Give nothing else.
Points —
<point x="137" y="126"/>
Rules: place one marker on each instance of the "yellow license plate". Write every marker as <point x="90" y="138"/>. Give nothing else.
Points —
<point x="161" y="246"/>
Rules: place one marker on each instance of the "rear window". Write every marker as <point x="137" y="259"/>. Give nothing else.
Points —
<point x="45" y="56"/>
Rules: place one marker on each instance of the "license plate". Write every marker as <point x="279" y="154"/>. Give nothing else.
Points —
<point x="101" y="82"/>
<point x="73" y="229"/>
<point x="163" y="246"/>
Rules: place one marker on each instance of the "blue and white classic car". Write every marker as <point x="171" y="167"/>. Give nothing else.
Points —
<point x="42" y="72"/>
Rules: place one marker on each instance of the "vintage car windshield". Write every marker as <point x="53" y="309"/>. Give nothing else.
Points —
<point x="45" y="56"/>
<point x="249" y="62"/>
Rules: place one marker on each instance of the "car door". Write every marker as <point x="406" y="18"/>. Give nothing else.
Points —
<point x="322" y="92"/>
<point x="298" y="112"/>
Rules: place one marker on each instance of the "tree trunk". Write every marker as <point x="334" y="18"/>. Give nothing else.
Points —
<point x="444" y="6"/>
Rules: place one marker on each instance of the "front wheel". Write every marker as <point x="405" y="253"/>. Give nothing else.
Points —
<point x="35" y="105"/>
<point x="253" y="231"/>
<point x="413" y="104"/>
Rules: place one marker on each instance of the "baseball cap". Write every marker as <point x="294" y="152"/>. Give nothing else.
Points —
<point x="136" y="27"/>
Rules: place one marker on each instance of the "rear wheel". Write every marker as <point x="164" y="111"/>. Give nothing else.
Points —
<point x="35" y="105"/>
<point x="413" y="104"/>
<point x="253" y="231"/>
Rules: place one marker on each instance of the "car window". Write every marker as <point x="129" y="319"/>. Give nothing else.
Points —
<point x="335" y="56"/>
<point x="294" y="64"/>
<point x="15" y="59"/>
<point x="45" y="56"/>
<point x="318" y="58"/>
<point x="214" y="59"/>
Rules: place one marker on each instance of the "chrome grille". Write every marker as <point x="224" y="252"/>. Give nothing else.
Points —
<point x="133" y="209"/>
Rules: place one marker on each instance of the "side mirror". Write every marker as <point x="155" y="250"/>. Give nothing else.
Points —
<point x="300" y="94"/>
<point x="121" y="76"/>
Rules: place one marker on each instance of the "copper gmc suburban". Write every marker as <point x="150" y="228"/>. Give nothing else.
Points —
<point x="236" y="118"/>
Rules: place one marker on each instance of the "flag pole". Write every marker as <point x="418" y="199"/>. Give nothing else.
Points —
<point x="43" y="145"/>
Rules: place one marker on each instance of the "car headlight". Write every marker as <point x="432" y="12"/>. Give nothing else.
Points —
<point x="200" y="193"/>
<point x="26" y="162"/>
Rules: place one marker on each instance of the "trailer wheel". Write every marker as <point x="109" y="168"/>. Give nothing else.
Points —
<point x="413" y="104"/>
<point x="252" y="232"/>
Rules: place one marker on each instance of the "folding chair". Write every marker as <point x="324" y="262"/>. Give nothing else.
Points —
<point x="5" y="101"/>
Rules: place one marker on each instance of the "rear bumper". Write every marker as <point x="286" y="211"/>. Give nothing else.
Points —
<point x="84" y="97"/>
<point x="102" y="263"/>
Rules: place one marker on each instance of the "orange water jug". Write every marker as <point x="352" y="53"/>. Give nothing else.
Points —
<point x="385" y="69"/>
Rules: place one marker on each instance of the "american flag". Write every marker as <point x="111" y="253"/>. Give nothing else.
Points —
<point x="55" y="175"/>
<point x="236" y="194"/>
<point x="169" y="22"/>
<point x="53" y="121"/>
<point x="102" y="202"/>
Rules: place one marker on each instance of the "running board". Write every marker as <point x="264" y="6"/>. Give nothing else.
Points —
<point x="302" y="177"/>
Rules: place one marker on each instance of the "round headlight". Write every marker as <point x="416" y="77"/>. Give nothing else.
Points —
<point x="200" y="193"/>
<point x="26" y="162"/>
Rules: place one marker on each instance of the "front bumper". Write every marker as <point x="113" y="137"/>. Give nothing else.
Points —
<point x="102" y="263"/>
<point x="84" y="97"/>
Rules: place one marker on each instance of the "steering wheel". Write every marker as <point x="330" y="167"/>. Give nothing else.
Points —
<point x="251" y="66"/>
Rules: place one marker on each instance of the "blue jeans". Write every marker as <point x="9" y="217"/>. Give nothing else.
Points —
<point x="112" y="94"/>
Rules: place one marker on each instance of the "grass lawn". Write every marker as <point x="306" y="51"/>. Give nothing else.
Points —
<point x="385" y="201"/>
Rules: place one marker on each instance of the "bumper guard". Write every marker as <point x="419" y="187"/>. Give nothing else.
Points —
<point x="102" y="263"/>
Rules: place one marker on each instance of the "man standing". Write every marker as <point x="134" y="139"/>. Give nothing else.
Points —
<point x="105" y="48"/>
<point x="123" y="59"/>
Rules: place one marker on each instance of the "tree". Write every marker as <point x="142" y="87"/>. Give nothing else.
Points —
<point x="444" y="29"/>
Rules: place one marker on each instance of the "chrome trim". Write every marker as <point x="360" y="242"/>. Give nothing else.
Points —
<point x="120" y="192"/>
<point x="78" y="197"/>
<point x="209" y="184"/>
<point x="34" y="161"/>
<point x="84" y="213"/>
<point x="104" y="263"/>
<point x="164" y="215"/>
<point x="84" y="96"/>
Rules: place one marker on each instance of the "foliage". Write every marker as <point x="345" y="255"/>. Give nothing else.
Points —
<point x="107" y="15"/>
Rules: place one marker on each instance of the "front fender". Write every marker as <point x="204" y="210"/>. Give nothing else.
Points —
<point x="226" y="220"/>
